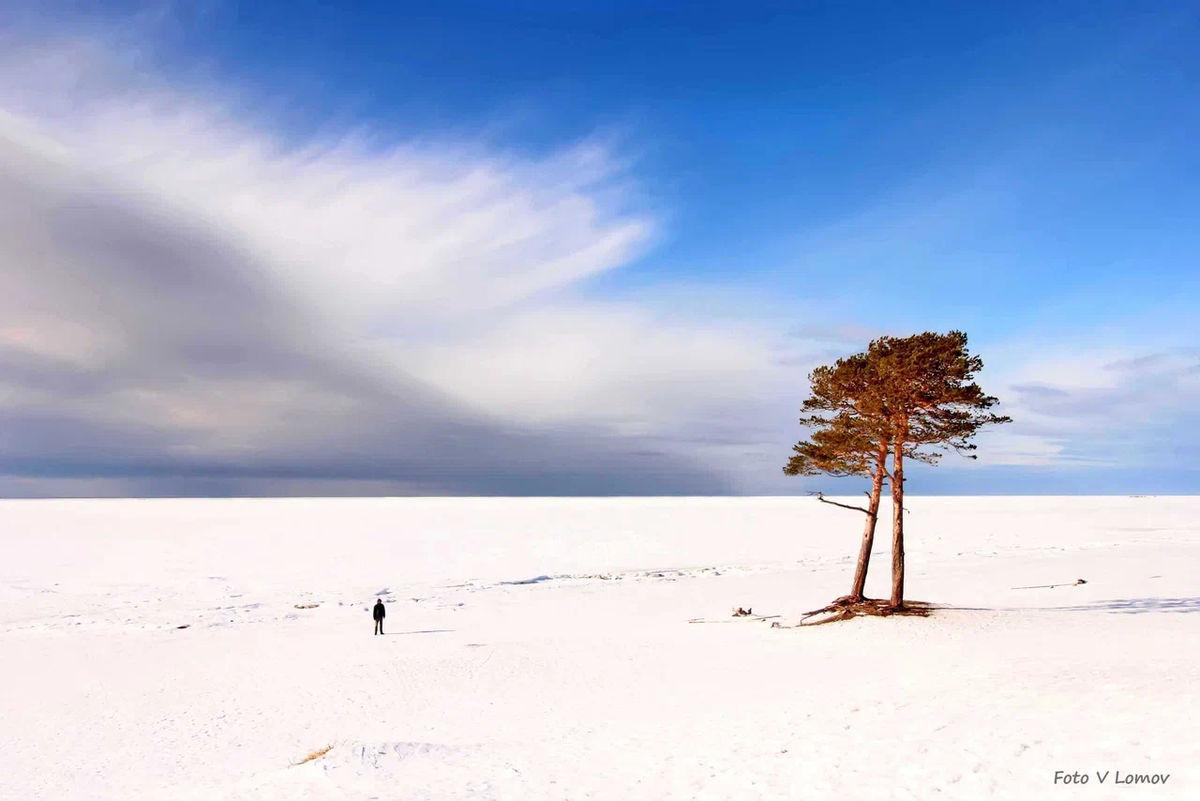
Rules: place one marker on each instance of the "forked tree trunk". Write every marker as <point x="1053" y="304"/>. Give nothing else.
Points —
<point x="898" y="525"/>
<point x="857" y="592"/>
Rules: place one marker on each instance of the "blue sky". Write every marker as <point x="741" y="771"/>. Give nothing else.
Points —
<point x="600" y="233"/>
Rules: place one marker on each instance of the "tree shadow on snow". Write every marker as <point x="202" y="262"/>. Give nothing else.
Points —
<point x="1137" y="606"/>
<point x="1126" y="606"/>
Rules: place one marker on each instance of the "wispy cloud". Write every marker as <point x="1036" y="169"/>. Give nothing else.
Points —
<point x="192" y="295"/>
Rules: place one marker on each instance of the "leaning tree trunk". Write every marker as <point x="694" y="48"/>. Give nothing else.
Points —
<point x="898" y="526"/>
<point x="857" y="592"/>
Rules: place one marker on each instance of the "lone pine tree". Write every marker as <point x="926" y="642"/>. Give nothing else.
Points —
<point x="910" y="397"/>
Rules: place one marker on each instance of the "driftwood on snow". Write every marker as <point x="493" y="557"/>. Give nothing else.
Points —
<point x="745" y="615"/>
<point x="1075" y="583"/>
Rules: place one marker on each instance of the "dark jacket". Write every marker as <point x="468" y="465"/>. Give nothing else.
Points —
<point x="380" y="612"/>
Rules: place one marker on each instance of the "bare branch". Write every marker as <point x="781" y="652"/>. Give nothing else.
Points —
<point x="823" y="499"/>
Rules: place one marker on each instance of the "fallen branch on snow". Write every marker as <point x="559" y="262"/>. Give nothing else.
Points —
<point x="312" y="755"/>
<point x="1075" y="583"/>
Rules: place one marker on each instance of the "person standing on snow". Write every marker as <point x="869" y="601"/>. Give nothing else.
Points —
<point x="379" y="614"/>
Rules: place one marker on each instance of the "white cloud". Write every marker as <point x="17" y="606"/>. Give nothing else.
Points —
<point x="1099" y="405"/>
<point x="183" y="282"/>
<point x="609" y="362"/>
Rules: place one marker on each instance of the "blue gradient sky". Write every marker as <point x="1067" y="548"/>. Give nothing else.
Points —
<point x="645" y="225"/>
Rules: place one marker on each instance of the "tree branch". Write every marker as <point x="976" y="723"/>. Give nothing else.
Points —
<point x="822" y="499"/>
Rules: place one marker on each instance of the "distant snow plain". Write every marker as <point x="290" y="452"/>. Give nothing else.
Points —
<point x="541" y="649"/>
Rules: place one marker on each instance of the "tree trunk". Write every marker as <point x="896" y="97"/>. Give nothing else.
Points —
<point x="898" y="524"/>
<point x="868" y="541"/>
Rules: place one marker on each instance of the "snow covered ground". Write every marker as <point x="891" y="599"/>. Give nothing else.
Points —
<point x="542" y="649"/>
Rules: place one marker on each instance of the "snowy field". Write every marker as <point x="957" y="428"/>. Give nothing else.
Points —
<point x="541" y="649"/>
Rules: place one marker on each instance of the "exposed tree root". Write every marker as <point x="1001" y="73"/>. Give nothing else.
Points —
<point x="846" y="607"/>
